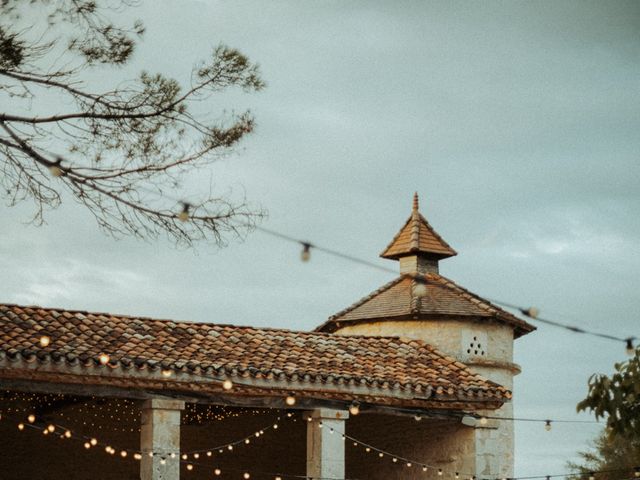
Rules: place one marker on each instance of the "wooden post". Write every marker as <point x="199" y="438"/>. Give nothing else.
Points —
<point x="325" y="446"/>
<point x="160" y="435"/>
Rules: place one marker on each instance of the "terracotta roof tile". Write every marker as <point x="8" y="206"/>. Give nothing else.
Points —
<point x="246" y="352"/>
<point x="417" y="236"/>
<point x="403" y="298"/>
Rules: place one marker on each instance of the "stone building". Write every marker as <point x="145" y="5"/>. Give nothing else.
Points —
<point x="408" y="383"/>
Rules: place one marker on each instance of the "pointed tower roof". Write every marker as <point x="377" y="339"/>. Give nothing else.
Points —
<point x="417" y="236"/>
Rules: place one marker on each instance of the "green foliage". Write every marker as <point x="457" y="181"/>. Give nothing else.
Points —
<point x="613" y="455"/>
<point x="617" y="397"/>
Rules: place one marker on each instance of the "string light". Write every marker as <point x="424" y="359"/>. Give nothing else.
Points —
<point x="51" y="428"/>
<point x="227" y="384"/>
<point x="21" y="426"/>
<point x="354" y="408"/>
<point x="217" y="471"/>
<point x="290" y="400"/>
<point x="305" y="255"/>
<point x="483" y="420"/>
<point x="166" y="373"/>
<point x="31" y="418"/>
<point x="183" y="216"/>
<point x="246" y="475"/>
<point x="45" y="340"/>
<point x="67" y="434"/>
<point x="629" y="347"/>
<point x="547" y="425"/>
<point x="104" y="358"/>
<point x="55" y="168"/>
<point x="417" y="417"/>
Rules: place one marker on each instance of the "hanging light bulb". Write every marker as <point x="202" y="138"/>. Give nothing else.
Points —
<point x="227" y="384"/>
<point x="592" y="476"/>
<point x="419" y="288"/>
<point x="531" y="312"/>
<point x="457" y="475"/>
<point x="547" y="425"/>
<point x="395" y="460"/>
<point x="629" y="349"/>
<point x="189" y="467"/>
<point x="183" y="216"/>
<point x="409" y="464"/>
<point x="21" y="426"/>
<point x="51" y="428"/>
<point x="162" y="461"/>
<point x="55" y="169"/>
<point x="290" y="400"/>
<point x="217" y="471"/>
<point x="104" y="358"/>
<point x="354" y="408"/>
<point x="45" y="340"/>
<point x="246" y="475"/>
<point x="123" y="453"/>
<point x="166" y="373"/>
<point x="440" y="472"/>
<point x="380" y="454"/>
<point x="31" y="418"/>
<point x="417" y="417"/>
<point x="424" y="468"/>
<point x="305" y="255"/>
<point x="67" y="434"/>
<point x="185" y="456"/>
<point x="367" y="449"/>
<point x="483" y="420"/>
<point x="196" y="456"/>
<point x="229" y="447"/>
<point x="93" y="441"/>
<point x="137" y="456"/>
<point x="209" y="453"/>
<point x="278" y="477"/>
<point x="636" y="472"/>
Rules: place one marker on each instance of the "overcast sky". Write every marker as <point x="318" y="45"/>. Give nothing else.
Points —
<point x="517" y="122"/>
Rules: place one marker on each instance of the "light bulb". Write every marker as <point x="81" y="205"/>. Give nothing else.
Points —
<point x="137" y="456"/>
<point x="184" y="456"/>
<point x="93" y="441"/>
<point x="246" y="475"/>
<point x="547" y="425"/>
<point x="196" y="456"/>
<point x="55" y="170"/>
<point x="162" y="461"/>
<point x="104" y="358"/>
<point x="87" y="445"/>
<point x="440" y="472"/>
<point x="483" y="420"/>
<point x="629" y="349"/>
<point x="636" y="472"/>
<point x="424" y="468"/>
<point x="189" y="467"/>
<point x="419" y="289"/>
<point x="290" y="400"/>
<point x="21" y="426"/>
<point x="230" y="447"/>
<point x="417" y="417"/>
<point x="275" y="427"/>
<point x="395" y="460"/>
<point x="457" y="475"/>
<point x="217" y="471"/>
<point x="408" y="464"/>
<point x="592" y="476"/>
<point x="51" y="428"/>
<point x="166" y="373"/>
<point x="45" y="341"/>
<point x="367" y="449"/>
<point x="381" y="454"/>
<point x="183" y="216"/>
<point x="31" y="418"/>
<point x="123" y="453"/>
<point x="305" y="255"/>
<point x="67" y="434"/>
<point x="354" y="408"/>
<point x="227" y="384"/>
<point x="532" y="312"/>
<point x="247" y="441"/>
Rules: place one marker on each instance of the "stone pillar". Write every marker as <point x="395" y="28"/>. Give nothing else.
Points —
<point x="160" y="434"/>
<point x="325" y="450"/>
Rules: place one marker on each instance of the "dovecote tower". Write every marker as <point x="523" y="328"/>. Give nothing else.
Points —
<point x="424" y="305"/>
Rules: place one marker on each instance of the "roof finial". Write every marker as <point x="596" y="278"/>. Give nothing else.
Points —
<point x="416" y="204"/>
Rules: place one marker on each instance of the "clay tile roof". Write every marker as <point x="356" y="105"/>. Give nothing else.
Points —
<point x="305" y="361"/>
<point x="406" y="298"/>
<point x="417" y="236"/>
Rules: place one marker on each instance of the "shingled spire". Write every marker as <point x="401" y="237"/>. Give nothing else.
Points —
<point x="417" y="245"/>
